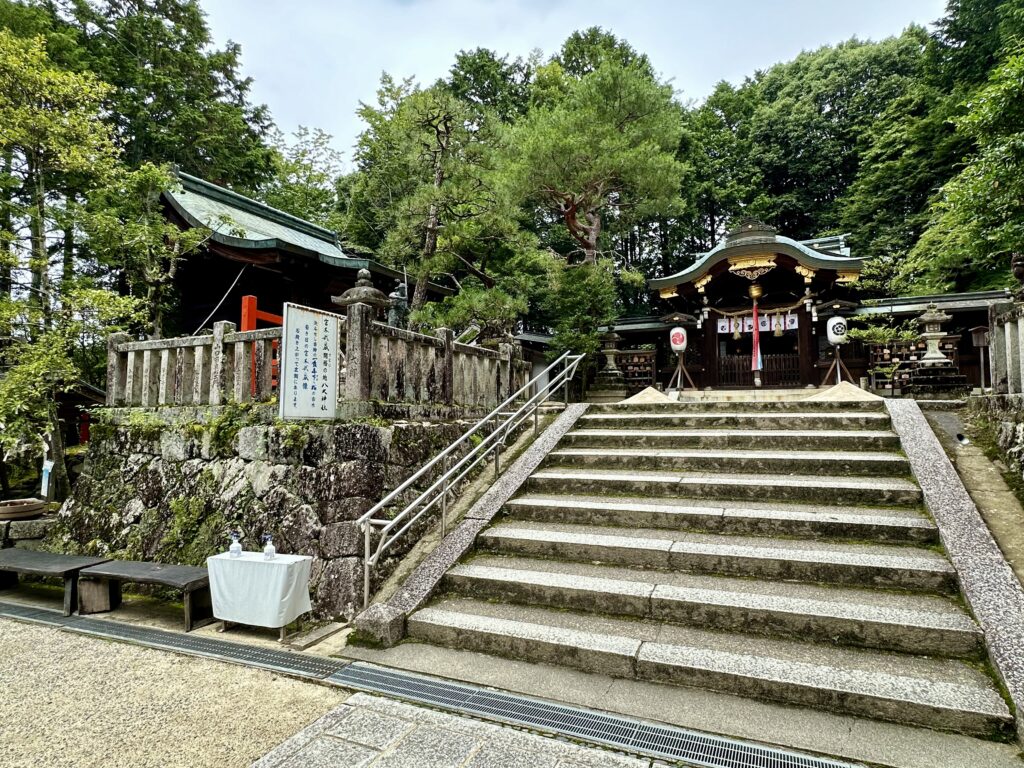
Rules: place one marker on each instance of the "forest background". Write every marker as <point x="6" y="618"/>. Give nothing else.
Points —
<point x="547" y="189"/>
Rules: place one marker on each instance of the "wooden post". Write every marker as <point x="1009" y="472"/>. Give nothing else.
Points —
<point x="710" y="377"/>
<point x="249" y="313"/>
<point x="220" y="363"/>
<point x="358" y="351"/>
<point x="116" y="369"/>
<point x="806" y="348"/>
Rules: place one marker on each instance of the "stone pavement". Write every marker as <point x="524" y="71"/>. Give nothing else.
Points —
<point x="374" y="731"/>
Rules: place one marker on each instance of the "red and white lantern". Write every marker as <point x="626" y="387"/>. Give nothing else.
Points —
<point x="677" y="338"/>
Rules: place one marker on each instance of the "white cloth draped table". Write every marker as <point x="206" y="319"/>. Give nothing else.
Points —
<point x="260" y="593"/>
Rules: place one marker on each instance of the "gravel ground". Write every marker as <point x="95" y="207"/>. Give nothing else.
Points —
<point x="69" y="700"/>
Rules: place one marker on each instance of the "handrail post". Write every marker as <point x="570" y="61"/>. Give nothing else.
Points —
<point x="366" y="564"/>
<point x="392" y="528"/>
<point x="444" y="498"/>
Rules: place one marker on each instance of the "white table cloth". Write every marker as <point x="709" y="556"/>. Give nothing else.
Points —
<point x="260" y="593"/>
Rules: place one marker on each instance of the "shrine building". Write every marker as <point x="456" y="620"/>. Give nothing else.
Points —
<point x="790" y="285"/>
<point x="255" y="250"/>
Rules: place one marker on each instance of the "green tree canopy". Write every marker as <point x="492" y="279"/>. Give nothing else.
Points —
<point x="605" y="152"/>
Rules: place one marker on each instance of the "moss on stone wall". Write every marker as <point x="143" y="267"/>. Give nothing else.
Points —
<point x="172" y="493"/>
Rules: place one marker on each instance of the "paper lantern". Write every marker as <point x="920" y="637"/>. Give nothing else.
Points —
<point x="677" y="338"/>
<point x="837" y="331"/>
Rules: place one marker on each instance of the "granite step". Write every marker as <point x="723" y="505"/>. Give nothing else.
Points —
<point x="909" y="623"/>
<point x="872" y="491"/>
<point x="818" y="406"/>
<point x="816" y="521"/>
<point x="752" y="439"/>
<point x="935" y="693"/>
<point x="784" y="462"/>
<point x="878" y="565"/>
<point x="737" y="420"/>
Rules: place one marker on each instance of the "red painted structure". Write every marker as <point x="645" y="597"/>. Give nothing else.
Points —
<point x="251" y="315"/>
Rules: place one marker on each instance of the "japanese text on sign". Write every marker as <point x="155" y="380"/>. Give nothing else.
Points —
<point x="309" y="363"/>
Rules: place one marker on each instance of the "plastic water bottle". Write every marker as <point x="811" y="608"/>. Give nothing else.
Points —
<point x="269" y="553"/>
<point x="235" y="550"/>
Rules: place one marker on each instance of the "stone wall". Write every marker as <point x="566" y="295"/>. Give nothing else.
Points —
<point x="172" y="492"/>
<point x="25" y="534"/>
<point x="1005" y="414"/>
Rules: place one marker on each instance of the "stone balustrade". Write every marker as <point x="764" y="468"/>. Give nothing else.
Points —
<point x="379" y="363"/>
<point x="194" y="370"/>
<point x="1006" y="347"/>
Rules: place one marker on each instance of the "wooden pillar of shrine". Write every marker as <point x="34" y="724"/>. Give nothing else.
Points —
<point x="807" y="348"/>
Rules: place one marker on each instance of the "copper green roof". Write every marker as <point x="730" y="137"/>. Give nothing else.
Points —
<point x="754" y="238"/>
<point x="240" y="222"/>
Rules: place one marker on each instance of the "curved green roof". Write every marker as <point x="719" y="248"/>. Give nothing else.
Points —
<point x="753" y="238"/>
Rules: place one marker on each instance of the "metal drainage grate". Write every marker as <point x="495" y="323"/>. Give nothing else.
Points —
<point x="692" y="747"/>
<point x="285" y="662"/>
<point x="39" y="615"/>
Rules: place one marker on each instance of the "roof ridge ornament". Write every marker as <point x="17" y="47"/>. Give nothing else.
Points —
<point x="747" y="228"/>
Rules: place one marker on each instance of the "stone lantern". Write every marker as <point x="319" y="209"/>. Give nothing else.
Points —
<point x="610" y="383"/>
<point x="931" y="331"/>
<point x="609" y="343"/>
<point x="363" y="293"/>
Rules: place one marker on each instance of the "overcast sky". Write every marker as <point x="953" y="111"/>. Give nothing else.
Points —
<point x="313" y="61"/>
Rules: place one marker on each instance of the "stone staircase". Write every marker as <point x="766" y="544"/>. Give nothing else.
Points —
<point x="777" y="551"/>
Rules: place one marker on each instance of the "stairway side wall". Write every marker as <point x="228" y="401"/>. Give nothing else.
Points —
<point x="172" y="492"/>
<point x="987" y="582"/>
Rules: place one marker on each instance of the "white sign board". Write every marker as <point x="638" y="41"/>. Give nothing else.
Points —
<point x="309" y="363"/>
<point x="766" y="323"/>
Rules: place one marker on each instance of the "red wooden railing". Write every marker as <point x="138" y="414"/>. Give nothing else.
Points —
<point x="252" y="314"/>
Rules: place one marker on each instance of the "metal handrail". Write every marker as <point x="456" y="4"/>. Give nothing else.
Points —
<point x="438" y="492"/>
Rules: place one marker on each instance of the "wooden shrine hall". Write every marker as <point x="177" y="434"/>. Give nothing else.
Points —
<point x="255" y="250"/>
<point x="792" y="287"/>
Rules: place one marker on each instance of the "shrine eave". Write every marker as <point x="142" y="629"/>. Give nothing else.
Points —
<point x="246" y="225"/>
<point x="756" y="246"/>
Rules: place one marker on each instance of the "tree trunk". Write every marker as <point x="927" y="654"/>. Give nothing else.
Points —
<point x="40" y="260"/>
<point x="61" y="483"/>
<point x="5" y="480"/>
<point x="5" y="225"/>
<point x="419" y="296"/>
<point x="67" y="274"/>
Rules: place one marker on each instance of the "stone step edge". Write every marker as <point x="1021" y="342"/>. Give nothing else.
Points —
<point x="911" y="516"/>
<point x="683" y="478"/>
<point x="880" y="457"/>
<point x="656" y="601"/>
<point x="827" y="564"/>
<point x="620" y="656"/>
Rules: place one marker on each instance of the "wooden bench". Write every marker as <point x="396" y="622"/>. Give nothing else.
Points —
<point x="100" y="587"/>
<point x="32" y="563"/>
